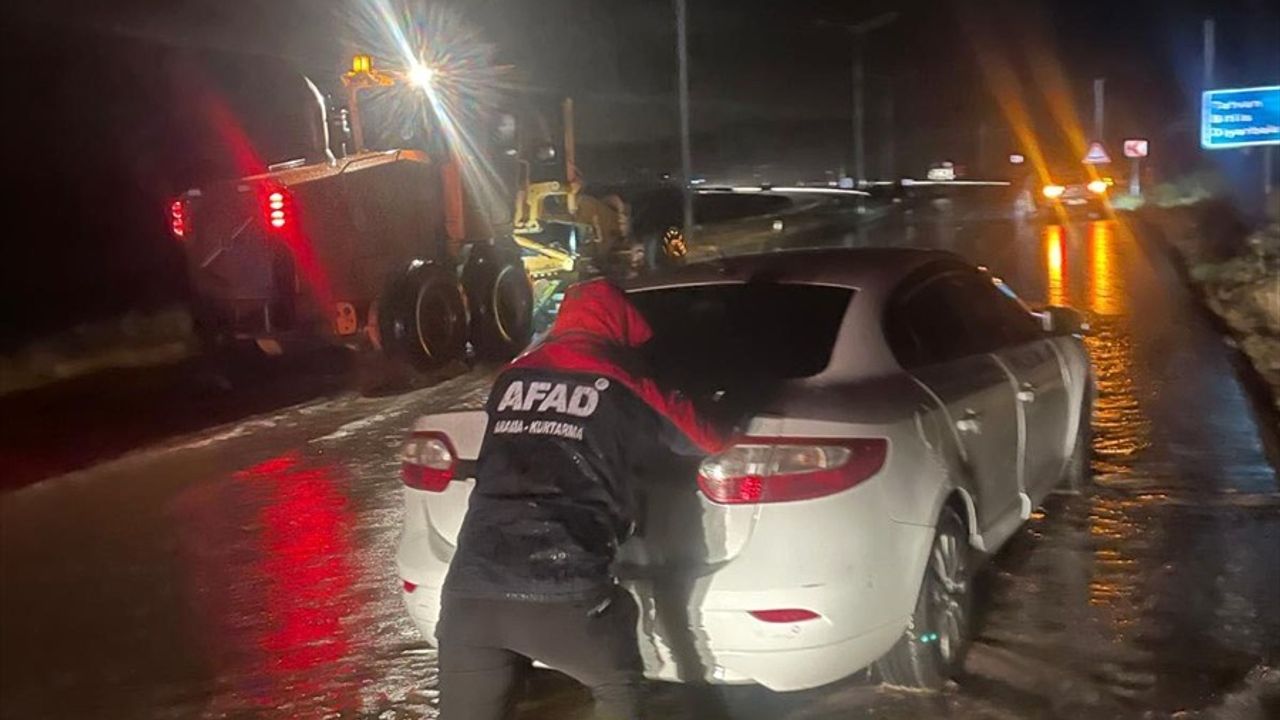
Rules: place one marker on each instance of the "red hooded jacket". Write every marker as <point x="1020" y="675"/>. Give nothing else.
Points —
<point x="596" y="325"/>
<point x="571" y="428"/>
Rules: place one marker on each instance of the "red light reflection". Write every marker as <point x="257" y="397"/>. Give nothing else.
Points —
<point x="274" y="585"/>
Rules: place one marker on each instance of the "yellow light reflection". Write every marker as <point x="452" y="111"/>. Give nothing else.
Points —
<point x="1121" y="428"/>
<point x="1104" y="296"/>
<point x="1054" y="263"/>
<point x="1115" y="589"/>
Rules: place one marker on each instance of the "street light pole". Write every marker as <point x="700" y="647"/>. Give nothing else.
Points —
<point x="859" y="112"/>
<point x="887" y="165"/>
<point x="1099" y="89"/>
<point x="686" y="154"/>
<point x="1209" y="52"/>
<point x="858" y="35"/>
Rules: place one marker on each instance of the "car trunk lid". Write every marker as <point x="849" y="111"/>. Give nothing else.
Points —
<point x="680" y="528"/>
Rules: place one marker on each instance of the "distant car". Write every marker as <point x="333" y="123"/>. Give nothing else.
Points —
<point x="950" y="200"/>
<point x="907" y="414"/>
<point x="1074" y="192"/>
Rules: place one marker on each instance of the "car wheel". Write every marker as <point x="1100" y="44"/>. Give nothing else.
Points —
<point x="1079" y="468"/>
<point x="932" y="649"/>
<point x="501" y="302"/>
<point x="424" y="318"/>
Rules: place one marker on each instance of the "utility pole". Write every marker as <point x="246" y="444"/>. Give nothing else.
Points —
<point x="1209" y="51"/>
<point x="858" y="33"/>
<point x="1268" y="171"/>
<point x="686" y="154"/>
<point x="859" y="151"/>
<point x="888" y="150"/>
<point x="980" y="158"/>
<point x="1099" y="88"/>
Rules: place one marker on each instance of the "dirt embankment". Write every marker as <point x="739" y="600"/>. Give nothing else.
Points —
<point x="1237" y="270"/>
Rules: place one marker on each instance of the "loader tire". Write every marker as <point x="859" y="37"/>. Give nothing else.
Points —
<point x="500" y="299"/>
<point x="422" y="318"/>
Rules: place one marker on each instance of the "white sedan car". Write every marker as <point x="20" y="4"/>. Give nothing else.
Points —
<point x="907" y="414"/>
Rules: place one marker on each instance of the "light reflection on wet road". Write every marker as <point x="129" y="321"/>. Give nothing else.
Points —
<point x="249" y="572"/>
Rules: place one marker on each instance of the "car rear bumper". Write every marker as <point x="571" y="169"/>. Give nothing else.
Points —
<point x="861" y="581"/>
<point x="803" y="668"/>
<point x="727" y="646"/>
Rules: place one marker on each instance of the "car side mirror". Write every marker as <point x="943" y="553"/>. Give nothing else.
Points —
<point x="1058" y="320"/>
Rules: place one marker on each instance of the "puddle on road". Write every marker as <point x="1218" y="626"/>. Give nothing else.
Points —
<point x="1156" y="590"/>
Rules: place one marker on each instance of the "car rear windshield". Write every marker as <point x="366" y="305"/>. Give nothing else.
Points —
<point x="716" y="336"/>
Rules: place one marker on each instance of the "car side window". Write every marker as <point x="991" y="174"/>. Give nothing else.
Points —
<point x="926" y="325"/>
<point x="995" y="320"/>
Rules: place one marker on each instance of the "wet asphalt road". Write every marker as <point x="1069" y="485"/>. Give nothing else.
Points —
<point x="247" y="571"/>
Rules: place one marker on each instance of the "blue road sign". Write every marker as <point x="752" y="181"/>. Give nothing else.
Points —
<point x="1239" y="117"/>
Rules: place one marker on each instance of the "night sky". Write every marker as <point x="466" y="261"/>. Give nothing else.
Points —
<point x="103" y="125"/>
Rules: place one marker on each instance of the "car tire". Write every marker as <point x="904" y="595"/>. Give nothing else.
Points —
<point x="423" y="318"/>
<point x="500" y="298"/>
<point x="1079" y="476"/>
<point x="932" y="649"/>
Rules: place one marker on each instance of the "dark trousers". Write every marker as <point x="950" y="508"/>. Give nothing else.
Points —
<point x="487" y="647"/>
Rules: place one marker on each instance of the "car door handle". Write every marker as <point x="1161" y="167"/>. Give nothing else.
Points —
<point x="970" y="423"/>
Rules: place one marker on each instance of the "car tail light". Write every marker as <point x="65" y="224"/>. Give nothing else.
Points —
<point x="179" y="218"/>
<point x="428" y="461"/>
<point x="768" y="470"/>
<point x="1053" y="191"/>
<point x="278" y="208"/>
<point x="408" y="586"/>
<point x="785" y="615"/>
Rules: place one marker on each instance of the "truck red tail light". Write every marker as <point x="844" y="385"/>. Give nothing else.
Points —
<point x="769" y="470"/>
<point x="428" y="461"/>
<point x="179" y="218"/>
<point x="278" y="208"/>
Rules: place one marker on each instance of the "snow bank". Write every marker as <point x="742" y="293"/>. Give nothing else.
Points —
<point x="1238" y="274"/>
<point x="1257" y="698"/>
<point x="1245" y="292"/>
<point x="133" y="340"/>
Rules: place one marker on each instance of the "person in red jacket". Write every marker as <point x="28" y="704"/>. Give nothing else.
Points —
<point x="571" y="423"/>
